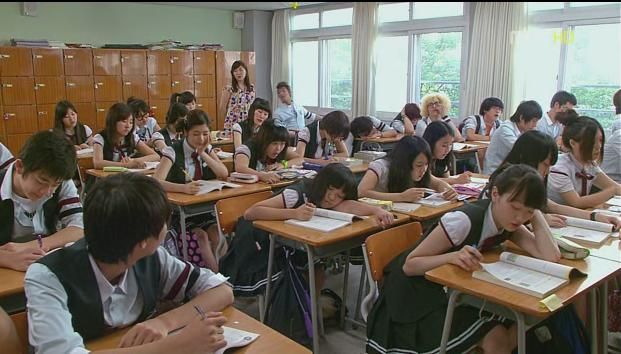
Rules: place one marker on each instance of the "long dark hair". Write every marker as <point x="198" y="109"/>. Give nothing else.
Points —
<point x="524" y="183"/>
<point x="175" y="111"/>
<point x="195" y="117"/>
<point x="584" y="130"/>
<point x="527" y="111"/>
<point x="401" y="158"/>
<point x="118" y="112"/>
<point x="184" y="97"/>
<point x="335" y="175"/>
<point x="248" y="124"/>
<point x="434" y="132"/>
<point x="268" y="134"/>
<point x="62" y="108"/>
<point x="237" y="64"/>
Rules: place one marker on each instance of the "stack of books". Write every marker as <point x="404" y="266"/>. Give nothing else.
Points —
<point x="36" y="43"/>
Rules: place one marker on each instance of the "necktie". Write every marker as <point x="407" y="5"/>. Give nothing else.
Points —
<point x="584" y="177"/>
<point x="198" y="171"/>
<point x="491" y="242"/>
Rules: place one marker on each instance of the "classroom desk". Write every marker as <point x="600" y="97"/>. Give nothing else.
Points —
<point x="425" y="213"/>
<point x="11" y="282"/>
<point x="386" y="144"/>
<point x="102" y="174"/>
<point x="190" y="205"/>
<point x="317" y="245"/>
<point x="269" y="340"/>
<point x="470" y="151"/>
<point x="598" y="271"/>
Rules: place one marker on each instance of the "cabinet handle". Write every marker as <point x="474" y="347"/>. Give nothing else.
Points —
<point x="6" y="115"/>
<point x="70" y="84"/>
<point x="153" y="107"/>
<point x="68" y="56"/>
<point x="42" y="113"/>
<point x="99" y="83"/>
<point x="101" y="110"/>
<point x="40" y="85"/>
<point x="199" y="81"/>
<point x="7" y="85"/>
<point x="197" y="58"/>
<point x="5" y="55"/>
<point x="98" y="57"/>
<point x="199" y="105"/>
<point x="38" y="56"/>
<point x="128" y="83"/>
<point x="152" y="83"/>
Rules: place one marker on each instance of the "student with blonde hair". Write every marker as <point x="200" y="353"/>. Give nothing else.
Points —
<point x="436" y="106"/>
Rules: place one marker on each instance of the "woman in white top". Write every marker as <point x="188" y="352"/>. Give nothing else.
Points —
<point x="173" y="131"/>
<point x="436" y="106"/>
<point x="66" y="122"/>
<point x="145" y="126"/>
<point x="577" y="171"/>
<point x="524" y="119"/>
<point x="259" y="112"/>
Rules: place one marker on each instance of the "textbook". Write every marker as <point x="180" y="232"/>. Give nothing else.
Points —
<point x="616" y="201"/>
<point x="243" y="177"/>
<point x="84" y="151"/>
<point x="609" y="212"/>
<point x="405" y="207"/>
<point x="224" y="155"/>
<point x="570" y="249"/>
<point x="384" y="204"/>
<point x="326" y="220"/>
<point x="236" y="338"/>
<point x="527" y="275"/>
<point x="434" y="200"/>
<point x="214" y="185"/>
<point x="152" y="165"/>
<point x="587" y="231"/>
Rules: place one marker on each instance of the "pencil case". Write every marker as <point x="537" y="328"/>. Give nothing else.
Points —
<point x="115" y="169"/>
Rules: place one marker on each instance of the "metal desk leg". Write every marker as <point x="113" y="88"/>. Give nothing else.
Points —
<point x="603" y="308"/>
<point x="345" y="280"/>
<point x="476" y="158"/>
<point x="184" y="241"/>
<point x="313" y="295"/>
<point x="448" y="320"/>
<point x="521" y="331"/>
<point x="270" y="265"/>
<point x="593" y="320"/>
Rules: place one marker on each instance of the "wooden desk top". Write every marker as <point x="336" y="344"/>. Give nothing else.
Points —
<point x="220" y="142"/>
<point x="480" y="144"/>
<point x="182" y="199"/>
<point x="598" y="270"/>
<point x="102" y="174"/>
<point x="317" y="238"/>
<point x="11" y="282"/>
<point x="610" y="250"/>
<point x="382" y="140"/>
<point x="424" y="213"/>
<point x="468" y="149"/>
<point x="269" y="340"/>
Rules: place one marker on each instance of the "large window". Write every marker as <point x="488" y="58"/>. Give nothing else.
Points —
<point x="391" y="79"/>
<point x="305" y="73"/>
<point x="338" y="69"/>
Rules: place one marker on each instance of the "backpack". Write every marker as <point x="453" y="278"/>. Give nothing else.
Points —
<point x="562" y="333"/>
<point x="289" y="309"/>
<point x="478" y="128"/>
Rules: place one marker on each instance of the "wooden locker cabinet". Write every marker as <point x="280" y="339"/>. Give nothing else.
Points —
<point x="181" y="62"/>
<point x="48" y="62"/>
<point x="86" y="114"/>
<point x="15" y="61"/>
<point x="135" y="86"/>
<point x="204" y="62"/>
<point x="80" y="89"/>
<point x="108" y="88"/>
<point x="106" y="62"/>
<point x="158" y="62"/>
<point x="208" y="105"/>
<point x="14" y="142"/>
<point x="159" y="108"/>
<point x="180" y="83"/>
<point x="134" y="62"/>
<point x="49" y="89"/>
<point x="204" y="86"/>
<point x="101" y="109"/>
<point x="18" y="91"/>
<point x="46" y="114"/>
<point x="20" y="119"/>
<point x="159" y="87"/>
<point x="78" y="62"/>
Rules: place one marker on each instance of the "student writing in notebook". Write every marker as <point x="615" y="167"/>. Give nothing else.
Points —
<point x="410" y="311"/>
<point x="173" y="131"/>
<point x="259" y="112"/>
<point x="184" y="164"/>
<point x="66" y="123"/>
<point x="403" y="175"/>
<point x="439" y="135"/>
<point x="145" y="126"/>
<point x="265" y="153"/>
<point x="334" y="188"/>
<point x="323" y="139"/>
<point x="117" y="144"/>
<point x="573" y="176"/>
<point x="38" y="199"/>
<point x="118" y="275"/>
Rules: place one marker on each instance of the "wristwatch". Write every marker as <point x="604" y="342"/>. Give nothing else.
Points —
<point x="593" y="216"/>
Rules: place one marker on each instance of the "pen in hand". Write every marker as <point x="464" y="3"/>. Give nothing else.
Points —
<point x="200" y="312"/>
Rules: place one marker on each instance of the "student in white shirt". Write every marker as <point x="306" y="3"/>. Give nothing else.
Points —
<point x="173" y="131"/>
<point x="561" y="102"/>
<point x="612" y="156"/>
<point x="367" y="127"/>
<point x="324" y="139"/>
<point x="616" y="100"/>
<point x="290" y="115"/>
<point x="66" y="123"/>
<point x="5" y="157"/>
<point x="118" y="275"/>
<point x="145" y="126"/>
<point x="259" y="112"/>
<point x="436" y="106"/>
<point x="409" y="121"/>
<point x="481" y="127"/>
<point x="577" y="171"/>
<point x="524" y="119"/>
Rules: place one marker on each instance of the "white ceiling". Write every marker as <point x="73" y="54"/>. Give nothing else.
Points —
<point x="239" y="6"/>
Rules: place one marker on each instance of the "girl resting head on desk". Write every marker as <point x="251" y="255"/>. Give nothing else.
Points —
<point x="415" y="323"/>
<point x="403" y="175"/>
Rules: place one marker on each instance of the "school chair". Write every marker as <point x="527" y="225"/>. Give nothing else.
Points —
<point x="227" y="213"/>
<point x="380" y="249"/>
<point x="14" y="332"/>
<point x="83" y="165"/>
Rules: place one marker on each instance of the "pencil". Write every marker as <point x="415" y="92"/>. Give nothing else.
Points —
<point x="187" y="174"/>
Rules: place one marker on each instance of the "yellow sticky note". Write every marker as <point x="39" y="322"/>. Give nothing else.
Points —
<point x="551" y="302"/>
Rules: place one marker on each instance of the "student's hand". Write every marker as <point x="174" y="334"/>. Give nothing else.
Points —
<point x="609" y="219"/>
<point x="468" y="258"/>
<point x="144" y="332"/>
<point x="305" y="211"/>
<point x="385" y="218"/>
<point x="77" y="147"/>
<point x="203" y="335"/>
<point x="84" y="146"/>
<point x="463" y="178"/>
<point x="20" y="258"/>
<point x="374" y="135"/>
<point x="269" y="177"/>
<point x="449" y="194"/>
<point x="274" y="166"/>
<point x="412" y="194"/>
<point x="133" y="163"/>
<point x="192" y="187"/>
<point x="555" y="220"/>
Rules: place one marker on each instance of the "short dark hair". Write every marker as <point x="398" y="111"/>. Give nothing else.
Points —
<point x="412" y="110"/>
<point x="248" y="124"/>
<point x="50" y="153"/>
<point x="523" y="183"/>
<point x="195" y="117"/>
<point x="616" y="101"/>
<point x="401" y="158"/>
<point x="184" y="97"/>
<point x="361" y="126"/>
<point x="434" y="132"/>
<point x="583" y="130"/>
<point x="490" y="102"/>
<point x="527" y="111"/>
<point x="121" y="211"/>
<point x="137" y="106"/>
<point x="566" y="116"/>
<point x="336" y="124"/>
<point x="563" y="97"/>
<point x="334" y="175"/>
<point x="283" y="84"/>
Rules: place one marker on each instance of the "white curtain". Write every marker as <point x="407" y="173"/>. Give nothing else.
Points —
<point x="280" y="52"/>
<point x="492" y="47"/>
<point x="364" y="31"/>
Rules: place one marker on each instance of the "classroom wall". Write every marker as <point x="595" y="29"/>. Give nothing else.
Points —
<point x="257" y="37"/>
<point x="101" y="23"/>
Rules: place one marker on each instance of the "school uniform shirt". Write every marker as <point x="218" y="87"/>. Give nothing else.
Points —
<point x="190" y="166"/>
<point x="117" y="154"/>
<point x="238" y="129"/>
<point x="146" y="133"/>
<point x="569" y="175"/>
<point x="612" y="156"/>
<point x="88" y="132"/>
<point x="293" y="116"/>
<point x="380" y="126"/>
<point x="159" y="136"/>
<point x="419" y="126"/>
<point x="122" y="303"/>
<point x="457" y="225"/>
<point x="305" y="136"/>
<point x="471" y="123"/>
<point x="5" y="157"/>
<point x="616" y="125"/>
<point x="245" y="150"/>
<point x="500" y="145"/>
<point x="545" y="125"/>
<point x="381" y="169"/>
<point x="29" y="218"/>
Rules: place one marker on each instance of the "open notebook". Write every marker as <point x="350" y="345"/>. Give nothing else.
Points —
<point x="585" y="231"/>
<point x="527" y="275"/>
<point x="236" y="338"/>
<point x="152" y="165"/>
<point x="326" y="220"/>
<point x="616" y="201"/>
<point x="434" y="200"/>
<point x="214" y="185"/>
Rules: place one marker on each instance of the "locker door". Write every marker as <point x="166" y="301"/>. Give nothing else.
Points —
<point x="159" y="108"/>
<point x="159" y="87"/>
<point x="134" y="62"/>
<point x="48" y="62"/>
<point x="18" y="90"/>
<point x="204" y="62"/>
<point x="108" y="88"/>
<point x="78" y="61"/>
<point x="106" y="62"/>
<point x="15" y="61"/>
<point x="45" y="116"/>
<point x="181" y="62"/>
<point x="205" y="85"/>
<point x="209" y="105"/>
<point x="158" y="62"/>
<point x="49" y="89"/>
<point x="86" y="115"/>
<point x="180" y="83"/>
<point x="80" y="89"/>
<point x="135" y="86"/>
<point x="20" y="119"/>
<point x="101" y="109"/>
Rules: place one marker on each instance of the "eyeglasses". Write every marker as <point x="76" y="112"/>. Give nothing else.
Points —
<point x="437" y="103"/>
